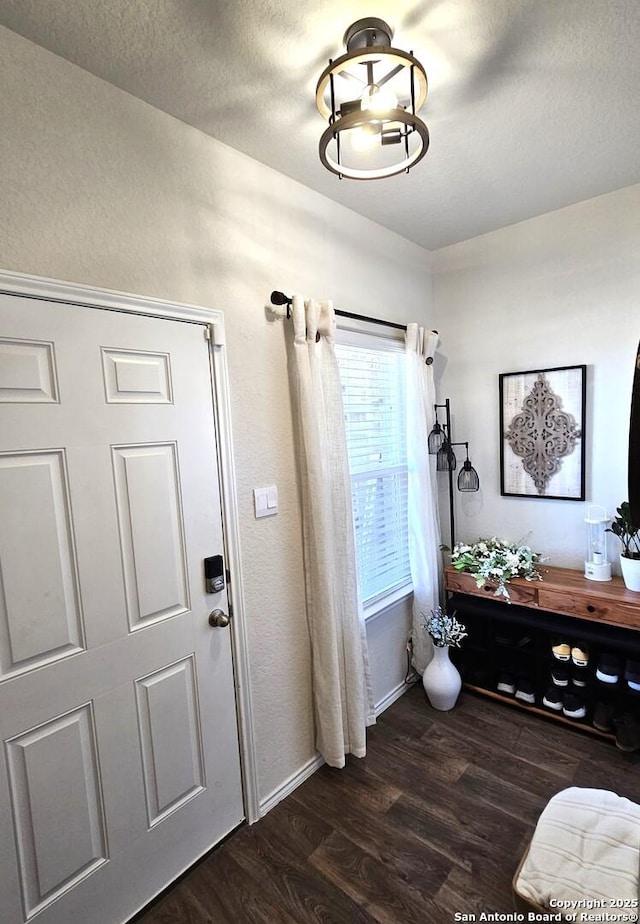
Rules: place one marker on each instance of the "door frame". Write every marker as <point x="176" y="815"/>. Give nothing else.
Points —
<point x="64" y="293"/>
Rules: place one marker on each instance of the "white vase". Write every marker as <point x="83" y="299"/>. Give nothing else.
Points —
<point x="630" y="572"/>
<point x="441" y="680"/>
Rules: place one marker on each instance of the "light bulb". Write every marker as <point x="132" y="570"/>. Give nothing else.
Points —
<point x="378" y="99"/>
<point x="366" y="136"/>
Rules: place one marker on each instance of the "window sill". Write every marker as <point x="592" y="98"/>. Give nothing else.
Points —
<point x="380" y="607"/>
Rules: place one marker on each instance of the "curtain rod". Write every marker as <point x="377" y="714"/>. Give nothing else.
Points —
<point x="279" y="298"/>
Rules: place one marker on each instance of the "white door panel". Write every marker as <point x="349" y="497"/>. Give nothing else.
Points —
<point x="27" y="372"/>
<point x="148" y="501"/>
<point x="120" y="761"/>
<point x="169" y="722"/>
<point x="63" y="750"/>
<point x="132" y="377"/>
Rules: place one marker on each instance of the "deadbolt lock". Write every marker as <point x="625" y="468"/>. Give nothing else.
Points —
<point x="214" y="574"/>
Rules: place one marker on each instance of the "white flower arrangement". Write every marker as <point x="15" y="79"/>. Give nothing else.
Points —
<point x="444" y="630"/>
<point x="496" y="561"/>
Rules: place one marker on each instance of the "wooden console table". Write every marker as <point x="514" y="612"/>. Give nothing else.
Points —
<point x="517" y="637"/>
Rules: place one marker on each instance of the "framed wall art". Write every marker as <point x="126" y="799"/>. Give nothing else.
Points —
<point x="542" y="427"/>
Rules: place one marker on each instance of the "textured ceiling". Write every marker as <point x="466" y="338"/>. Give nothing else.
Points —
<point x="533" y="104"/>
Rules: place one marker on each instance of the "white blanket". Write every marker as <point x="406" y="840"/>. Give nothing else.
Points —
<point x="586" y="846"/>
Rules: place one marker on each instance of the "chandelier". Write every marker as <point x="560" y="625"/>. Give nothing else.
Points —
<point x="370" y="97"/>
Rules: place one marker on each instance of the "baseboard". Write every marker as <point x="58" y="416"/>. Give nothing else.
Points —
<point x="289" y="785"/>
<point x="395" y="694"/>
<point x="296" y="779"/>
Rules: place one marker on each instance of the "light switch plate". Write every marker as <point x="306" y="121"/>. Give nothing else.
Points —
<point x="265" y="501"/>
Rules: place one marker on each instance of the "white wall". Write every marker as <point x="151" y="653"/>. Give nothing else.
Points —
<point x="558" y="290"/>
<point x="99" y="188"/>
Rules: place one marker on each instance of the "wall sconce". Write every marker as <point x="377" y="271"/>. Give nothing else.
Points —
<point x="370" y="97"/>
<point x="441" y="445"/>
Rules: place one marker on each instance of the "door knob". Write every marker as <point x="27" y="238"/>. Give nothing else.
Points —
<point x="218" y="619"/>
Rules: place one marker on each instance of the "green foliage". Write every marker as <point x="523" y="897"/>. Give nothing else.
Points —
<point x="496" y="561"/>
<point x="444" y="630"/>
<point x="628" y="534"/>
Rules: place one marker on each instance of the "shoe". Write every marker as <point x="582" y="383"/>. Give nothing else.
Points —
<point x="552" y="699"/>
<point x="632" y="674"/>
<point x="608" y="669"/>
<point x="510" y="640"/>
<point x="561" y="651"/>
<point x="628" y="733"/>
<point x="579" y="656"/>
<point x="560" y="676"/>
<point x="573" y="707"/>
<point x="525" y="692"/>
<point x="603" y="716"/>
<point x="580" y="677"/>
<point x="504" y="638"/>
<point x="507" y="684"/>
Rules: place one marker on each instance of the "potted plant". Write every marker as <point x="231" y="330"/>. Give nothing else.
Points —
<point x="629" y="535"/>
<point x="441" y="679"/>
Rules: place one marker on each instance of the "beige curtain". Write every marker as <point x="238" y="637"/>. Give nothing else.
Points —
<point x="342" y="694"/>
<point x="424" y="529"/>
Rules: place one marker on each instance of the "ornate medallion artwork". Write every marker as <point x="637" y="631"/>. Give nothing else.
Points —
<point x="542" y="433"/>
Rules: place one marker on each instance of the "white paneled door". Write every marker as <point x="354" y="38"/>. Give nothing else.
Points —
<point x="120" y="759"/>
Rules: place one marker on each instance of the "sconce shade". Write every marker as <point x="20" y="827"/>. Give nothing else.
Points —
<point x="436" y="439"/>
<point x="468" y="477"/>
<point x="446" y="459"/>
<point x="369" y="98"/>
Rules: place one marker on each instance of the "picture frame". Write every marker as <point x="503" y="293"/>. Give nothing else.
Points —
<point x="542" y="433"/>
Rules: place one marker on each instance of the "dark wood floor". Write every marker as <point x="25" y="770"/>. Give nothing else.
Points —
<point x="432" y="822"/>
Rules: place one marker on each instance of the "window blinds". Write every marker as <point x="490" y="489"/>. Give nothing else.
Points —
<point x="373" y="390"/>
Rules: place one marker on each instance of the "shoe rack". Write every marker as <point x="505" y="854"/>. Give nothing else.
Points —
<point x="560" y="649"/>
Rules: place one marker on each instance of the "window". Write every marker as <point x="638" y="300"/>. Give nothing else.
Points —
<point x="372" y="372"/>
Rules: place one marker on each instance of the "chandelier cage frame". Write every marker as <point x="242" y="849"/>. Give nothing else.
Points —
<point x="368" y="43"/>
